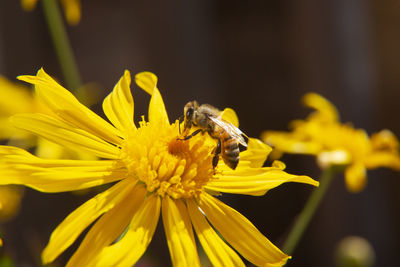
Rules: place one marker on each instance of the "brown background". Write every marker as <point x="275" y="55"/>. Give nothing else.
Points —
<point x="258" y="57"/>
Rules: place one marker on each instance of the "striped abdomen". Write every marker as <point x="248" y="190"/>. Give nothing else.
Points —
<point x="229" y="150"/>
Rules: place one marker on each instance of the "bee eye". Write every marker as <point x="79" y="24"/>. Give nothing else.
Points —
<point x="189" y="112"/>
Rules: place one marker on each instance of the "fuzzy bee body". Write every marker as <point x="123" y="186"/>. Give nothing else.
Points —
<point x="208" y="119"/>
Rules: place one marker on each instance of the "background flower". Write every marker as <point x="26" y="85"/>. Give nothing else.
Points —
<point x="321" y="134"/>
<point x="72" y="9"/>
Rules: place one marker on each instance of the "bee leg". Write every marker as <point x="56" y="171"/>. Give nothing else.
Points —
<point x="193" y="134"/>
<point x="217" y="152"/>
<point x="180" y="121"/>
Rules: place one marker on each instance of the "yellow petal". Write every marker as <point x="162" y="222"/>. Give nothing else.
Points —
<point x="383" y="159"/>
<point x="255" y="181"/>
<point x="118" y="105"/>
<point x="15" y="155"/>
<point x="256" y="153"/>
<point x="108" y="228"/>
<point x="157" y="112"/>
<point x="219" y="253"/>
<point x="63" y="134"/>
<point x="147" y="81"/>
<point x="19" y="167"/>
<point x="241" y="234"/>
<point x="72" y="226"/>
<point x="178" y="230"/>
<point x="355" y="177"/>
<point x="28" y="5"/>
<point x="67" y="107"/>
<point x="50" y="150"/>
<point x="385" y="140"/>
<point x="11" y="150"/>
<point x="72" y="10"/>
<point x="229" y="115"/>
<point x="325" y="109"/>
<point x="10" y="202"/>
<point x="22" y="99"/>
<point x="9" y="131"/>
<point x="289" y="143"/>
<point x="128" y="250"/>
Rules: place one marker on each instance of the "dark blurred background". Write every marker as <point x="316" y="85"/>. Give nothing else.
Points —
<point x="258" y="57"/>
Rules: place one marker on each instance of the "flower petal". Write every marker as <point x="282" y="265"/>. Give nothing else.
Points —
<point x="255" y="181"/>
<point x="219" y="253"/>
<point x="28" y="5"/>
<point x="157" y="112"/>
<point x="67" y="107"/>
<point x="19" y="167"/>
<point x="383" y="159"/>
<point x="22" y="100"/>
<point x="287" y="142"/>
<point x="72" y="10"/>
<point x="147" y="81"/>
<point x="179" y="232"/>
<point x="241" y="234"/>
<point x="326" y="111"/>
<point x="118" y="105"/>
<point x="128" y="250"/>
<point x="50" y="150"/>
<point x="63" y="134"/>
<point x="256" y="153"/>
<point x="229" y="115"/>
<point x="107" y="229"/>
<point x="72" y="226"/>
<point x="355" y="177"/>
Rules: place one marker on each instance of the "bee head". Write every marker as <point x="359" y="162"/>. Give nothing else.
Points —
<point x="188" y="113"/>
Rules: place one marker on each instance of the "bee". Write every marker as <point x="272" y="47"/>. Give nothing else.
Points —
<point x="209" y="119"/>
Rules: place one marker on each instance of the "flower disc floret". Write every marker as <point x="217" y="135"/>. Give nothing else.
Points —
<point x="156" y="156"/>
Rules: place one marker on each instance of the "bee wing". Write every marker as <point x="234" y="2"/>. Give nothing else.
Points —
<point x="231" y="129"/>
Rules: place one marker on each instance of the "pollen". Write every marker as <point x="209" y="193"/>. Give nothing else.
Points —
<point x="157" y="156"/>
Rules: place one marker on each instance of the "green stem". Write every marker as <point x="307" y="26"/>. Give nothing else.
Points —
<point x="61" y="43"/>
<point x="308" y="211"/>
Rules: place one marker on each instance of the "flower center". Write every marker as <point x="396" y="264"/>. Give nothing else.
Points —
<point x="154" y="155"/>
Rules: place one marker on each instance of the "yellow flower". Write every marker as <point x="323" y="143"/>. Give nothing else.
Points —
<point x="153" y="173"/>
<point x="72" y="9"/>
<point x="333" y="143"/>
<point x="10" y="201"/>
<point x="23" y="101"/>
<point x="19" y="99"/>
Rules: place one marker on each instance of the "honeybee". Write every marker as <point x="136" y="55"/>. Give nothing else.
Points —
<point x="209" y="119"/>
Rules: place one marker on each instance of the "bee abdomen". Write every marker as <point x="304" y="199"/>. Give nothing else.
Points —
<point x="230" y="153"/>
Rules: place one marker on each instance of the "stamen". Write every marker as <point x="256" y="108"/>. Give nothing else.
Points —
<point x="180" y="168"/>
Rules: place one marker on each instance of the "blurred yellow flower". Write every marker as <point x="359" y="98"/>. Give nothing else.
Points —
<point x="333" y="143"/>
<point x="72" y="9"/>
<point x="15" y="99"/>
<point x="10" y="201"/>
<point x="154" y="173"/>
